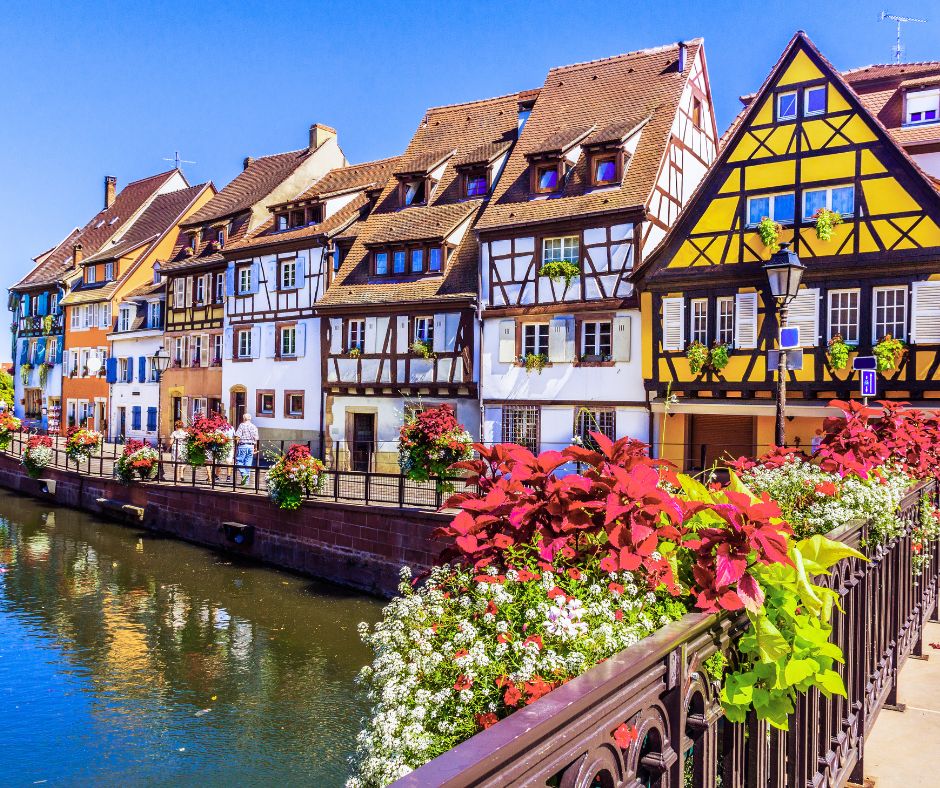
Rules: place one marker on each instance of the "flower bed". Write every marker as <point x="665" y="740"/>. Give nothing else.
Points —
<point x="431" y="441"/>
<point x="37" y="454"/>
<point x="8" y="425"/>
<point x="207" y="437"/>
<point x="293" y="475"/>
<point x="81" y="443"/>
<point x="137" y="461"/>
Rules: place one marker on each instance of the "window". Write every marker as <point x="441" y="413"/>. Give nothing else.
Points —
<point x="697" y="112"/>
<point x="814" y="100"/>
<point x="417" y="261"/>
<point x="75" y="317"/>
<point x="357" y="334"/>
<point x="699" y="331"/>
<point x="534" y="339"/>
<point x="52" y="350"/>
<point x="521" y="426"/>
<point x="434" y="259"/>
<point x="153" y="314"/>
<point x="124" y="319"/>
<point x="843" y="315"/>
<point x="289" y="274"/>
<point x="840" y="199"/>
<point x="588" y="420"/>
<point x="779" y="207"/>
<point x="90" y="274"/>
<point x="282" y="221"/>
<point x="108" y="272"/>
<point x="564" y="248"/>
<point x="179" y="293"/>
<point x="595" y="340"/>
<point x="546" y="178"/>
<point x="381" y="263"/>
<point x="244" y="343"/>
<point x="216" y="350"/>
<point x="265" y="402"/>
<point x="399" y="261"/>
<point x="219" y="288"/>
<point x="53" y="303"/>
<point x="922" y="106"/>
<point x="244" y="279"/>
<point x="193" y="241"/>
<point x="415" y="192"/>
<point x="200" y="289"/>
<point x="294" y="404"/>
<point x="220" y="238"/>
<point x="123" y="368"/>
<point x="605" y="170"/>
<point x="424" y="330"/>
<point x="104" y="315"/>
<point x="890" y="312"/>
<point x="476" y="183"/>
<point x="196" y="348"/>
<point x="725" y="333"/>
<point x="179" y="350"/>
<point x="786" y="106"/>
<point x="288" y="343"/>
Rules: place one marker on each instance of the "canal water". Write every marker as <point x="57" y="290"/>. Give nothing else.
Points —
<point x="128" y="659"/>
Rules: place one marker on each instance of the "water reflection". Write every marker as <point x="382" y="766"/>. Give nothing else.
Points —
<point x="128" y="659"/>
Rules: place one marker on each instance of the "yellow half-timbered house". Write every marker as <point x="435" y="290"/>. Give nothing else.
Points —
<point x="806" y="150"/>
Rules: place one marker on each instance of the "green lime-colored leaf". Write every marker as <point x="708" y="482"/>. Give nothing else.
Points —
<point x="770" y="643"/>
<point x="799" y="669"/>
<point x="830" y="683"/>
<point x="694" y="489"/>
<point x="819" y="553"/>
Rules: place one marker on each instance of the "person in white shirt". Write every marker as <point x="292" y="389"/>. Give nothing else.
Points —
<point x="246" y="438"/>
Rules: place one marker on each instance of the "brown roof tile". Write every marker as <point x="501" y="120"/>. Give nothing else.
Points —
<point x="349" y="178"/>
<point x="560" y="140"/>
<point x="422" y="223"/>
<point x="423" y="162"/>
<point x="483" y="154"/>
<point x="146" y="290"/>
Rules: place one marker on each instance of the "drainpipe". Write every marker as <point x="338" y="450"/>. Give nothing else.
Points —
<point x="326" y="254"/>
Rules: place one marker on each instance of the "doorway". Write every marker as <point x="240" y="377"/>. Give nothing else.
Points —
<point x="716" y="437"/>
<point x="122" y="423"/>
<point x="239" y="405"/>
<point x="363" y="441"/>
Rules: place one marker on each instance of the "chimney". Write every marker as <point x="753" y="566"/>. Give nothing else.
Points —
<point x="77" y="254"/>
<point x="247" y="162"/>
<point x="320" y="134"/>
<point x="110" y="186"/>
<point x="680" y="65"/>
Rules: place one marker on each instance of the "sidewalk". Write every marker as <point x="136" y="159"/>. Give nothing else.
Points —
<point x="903" y="750"/>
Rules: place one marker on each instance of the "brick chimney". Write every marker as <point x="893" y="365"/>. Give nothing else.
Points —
<point x="320" y="134"/>
<point x="247" y="162"/>
<point x="110" y="187"/>
<point x="78" y="254"/>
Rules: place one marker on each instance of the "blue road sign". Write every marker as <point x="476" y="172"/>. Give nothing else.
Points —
<point x="869" y="383"/>
<point x="789" y="338"/>
<point x="864" y="362"/>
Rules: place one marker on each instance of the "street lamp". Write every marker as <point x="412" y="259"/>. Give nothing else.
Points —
<point x="784" y="272"/>
<point x="160" y="361"/>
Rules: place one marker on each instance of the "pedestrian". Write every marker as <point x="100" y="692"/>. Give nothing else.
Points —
<point x="246" y="438"/>
<point x="224" y="471"/>
<point x="178" y="446"/>
<point x="817" y="441"/>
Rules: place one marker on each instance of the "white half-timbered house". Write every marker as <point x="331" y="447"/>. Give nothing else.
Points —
<point x="609" y="154"/>
<point x="274" y="279"/>
<point x="398" y="320"/>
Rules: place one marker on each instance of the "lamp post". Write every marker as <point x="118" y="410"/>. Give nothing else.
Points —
<point x="784" y="272"/>
<point x="160" y="361"/>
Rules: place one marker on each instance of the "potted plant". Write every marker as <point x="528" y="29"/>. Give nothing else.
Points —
<point x="838" y="352"/>
<point x="25" y="369"/>
<point x="44" y="369"/>
<point x="81" y="443"/>
<point x="208" y="436"/>
<point x="355" y="352"/>
<point x="826" y="221"/>
<point x="769" y="232"/>
<point x="421" y="348"/>
<point x="37" y="455"/>
<point x="430" y="442"/>
<point x="888" y="353"/>
<point x="697" y="354"/>
<point x="718" y="356"/>
<point x="557" y="270"/>
<point x="47" y="324"/>
<point x="293" y="475"/>
<point x="137" y="461"/>
<point x="534" y="361"/>
<point x="8" y="425"/>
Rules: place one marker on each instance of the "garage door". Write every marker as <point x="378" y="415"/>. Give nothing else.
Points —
<point x="712" y="438"/>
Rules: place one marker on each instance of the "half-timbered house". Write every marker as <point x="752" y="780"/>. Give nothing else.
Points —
<point x="195" y="273"/>
<point x="399" y="316"/>
<point x="274" y="278"/>
<point x="611" y="151"/>
<point x="807" y="145"/>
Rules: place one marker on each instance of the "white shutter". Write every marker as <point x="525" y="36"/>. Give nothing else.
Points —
<point x="256" y="342"/>
<point x="301" y="339"/>
<point x="452" y="323"/>
<point x="507" y="341"/>
<point x="401" y="335"/>
<point x="561" y="339"/>
<point x="204" y="351"/>
<point x="440" y="333"/>
<point x="673" y="323"/>
<point x="179" y="293"/>
<point x="804" y="315"/>
<point x="925" y="313"/>
<point x="371" y="336"/>
<point x="189" y="290"/>
<point x="745" y="320"/>
<point x="620" y="341"/>
<point x="269" y="348"/>
<point x="227" y="342"/>
<point x="336" y="335"/>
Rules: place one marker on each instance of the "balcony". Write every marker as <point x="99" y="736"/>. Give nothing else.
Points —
<point x="35" y="325"/>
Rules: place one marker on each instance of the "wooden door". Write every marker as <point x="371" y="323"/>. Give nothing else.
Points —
<point x="713" y="438"/>
<point x="363" y="441"/>
<point x="239" y="402"/>
<point x="122" y="422"/>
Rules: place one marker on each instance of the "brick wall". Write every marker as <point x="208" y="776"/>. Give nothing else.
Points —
<point x="357" y="546"/>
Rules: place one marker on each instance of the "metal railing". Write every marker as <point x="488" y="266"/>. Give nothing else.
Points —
<point x="659" y="687"/>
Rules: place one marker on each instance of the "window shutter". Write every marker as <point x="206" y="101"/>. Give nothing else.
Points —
<point x="371" y="338"/>
<point x="440" y="333"/>
<point x="270" y="349"/>
<point x="227" y="342"/>
<point x="58" y="351"/>
<point x="151" y="419"/>
<point x="135" y="417"/>
<point x="110" y="367"/>
<point x="255" y="276"/>
<point x="40" y="350"/>
<point x="507" y="341"/>
<point x="256" y="342"/>
<point x="142" y="369"/>
<point x="336" y="335"/>
<point x="203" y="352"/>
<point x="301" y="270"/>
<point x="41" y="301"/>
<point x="301" y="339"/>
<point x="130" y="369"/>
<point x="188" y="298"/>
<point x="745" y="320"/>
<point x="673" y="323"/>
<point x="621" y="334"/>
<point x="402" y="342"/>
<point x="452" y="323"/>
<point x="925" y="313"/>
<point x="230" y="280"/>
<point x="561" y="339"/>
<point x="804" y="315"/>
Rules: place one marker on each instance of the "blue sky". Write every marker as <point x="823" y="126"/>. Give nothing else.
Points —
<point x="95" y="89"/>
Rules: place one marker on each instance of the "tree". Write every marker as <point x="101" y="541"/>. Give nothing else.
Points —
<point x="6" y="388"/>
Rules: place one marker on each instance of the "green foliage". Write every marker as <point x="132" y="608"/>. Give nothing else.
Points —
<point x="826" y="222"/>
<point x="888" y="353"/>
<point x="787" y="650"/>
<point x="769" y="232"/>
<point x="715" y="665"/>
<point x="24" y="373"/>
<point x="423" y="349"/>
<point x="560" y="269"/>
<point x="719" y="356"/>
<point x="355" y="352"/>
<point x="838" y="352"/>
<point x="697" y="354"/>
<point x="536" y="361"/>
<point x="47" y="324"/>
<point x="6" y="388"/>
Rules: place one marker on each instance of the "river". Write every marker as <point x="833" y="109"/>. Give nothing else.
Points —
<point x="129" y="659"/>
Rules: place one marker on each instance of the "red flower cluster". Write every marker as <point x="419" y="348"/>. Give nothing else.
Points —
<point x="430" y="425"/>
<point x="523" y="693"/>
<point x="39" y="440"/>
<point x="79" y="436"/>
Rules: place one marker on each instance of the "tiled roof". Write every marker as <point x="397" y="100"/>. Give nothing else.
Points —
<point x="349" y="178"/>
<point x="179" y="263"/>
<point x="463" y="128"/>
<point x="890" y="71"/>
<point x="87" y="294"/>
<point x="483" y="154"/>
<point x="602" y="93"/>
<point x="147" y="290"/>
<point x="560" y="140"/>
<point x="922" y="82"/>
<point x="93" y="235"/>
<point x="423" y="161"/>
<point x="617" y="131"/>
<point x="253" y="183"/>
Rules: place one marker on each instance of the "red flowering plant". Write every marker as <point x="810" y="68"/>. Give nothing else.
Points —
<point x="81" y="443"/>
<point x="294" y="474"/>
<point x="37" y="455"/>
<point x="139" y="460"/>
<point x="8" y="425"/>
<point x="430" y="442"/>
<point x="208" y="437"/>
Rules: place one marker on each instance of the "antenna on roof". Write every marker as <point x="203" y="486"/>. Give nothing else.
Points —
<point x="177" y="160"/>
<point x="898" y="20"/>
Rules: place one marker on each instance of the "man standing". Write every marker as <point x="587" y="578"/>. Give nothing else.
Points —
<point x="246" y="437"/>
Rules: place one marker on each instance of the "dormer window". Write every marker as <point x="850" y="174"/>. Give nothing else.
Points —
<point x="193" y="241"/>
<point x="282" y="221"/>
<point x="547" y="177"/>
<point x="414" y="192"/>
<point x="605" y="169"/>
<point x="786" y="105"/>
<point x="124" y="319"/>
<point x="220" y="238"/>
<point x="415" y="260"/>
<point x="108" y="272"/>
<point x="90" y="275"/>
<point x="381" y="263"/>
<point x="476" y="183"/>
<point x="922" y="106"/>
<point x="814" y="100"/>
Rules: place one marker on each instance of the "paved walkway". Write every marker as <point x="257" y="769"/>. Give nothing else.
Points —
<point x="903" y="750"/>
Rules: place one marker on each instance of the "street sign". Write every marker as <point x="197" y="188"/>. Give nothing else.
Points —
<point x="864" y="362"/>
<point x="794" y="359"/>
<point x="789" y="338"/>
<point x="869" y="383"/>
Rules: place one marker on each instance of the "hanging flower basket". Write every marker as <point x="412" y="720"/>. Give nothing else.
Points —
<point x="25" y="369"/>
<point x="826" y="222"/>
<point x="719" y="356"/>
<point x="430" y="442"/>
<point x="769" y="232"/>
<point x="8" y="425"/>
<point x="137" y="461"/>
<point x="558" y="270"/>
<point x="697" y="354"/>
<point x="207" y="437"/>
<point x="295" y="474"/>
<point x="81" y="443"/>
<point x="534" y="362"/>
<point x="423" y="349"/>
<point x="888" y="353"/>
<point x="838" y="352"/>
<point x="38" y="454"/>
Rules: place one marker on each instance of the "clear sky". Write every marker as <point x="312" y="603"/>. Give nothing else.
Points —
<point x="89" y="89"/>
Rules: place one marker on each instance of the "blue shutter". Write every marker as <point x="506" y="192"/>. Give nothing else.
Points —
<point x="43" y="301"/>
<point x="301" y="270"/>
<point x="230" y="280"/>
<point x="58" y="350"/>
<point x="151" y="419"/>
<point x="110" y="367"/>
<point x="142" y="369"/>
<point x="135" y="417"/>
<point x="255" y="277"/>
<point x="25" y="303"/>
<point x="40" y="350"/>
<point x="24" y="351"/>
